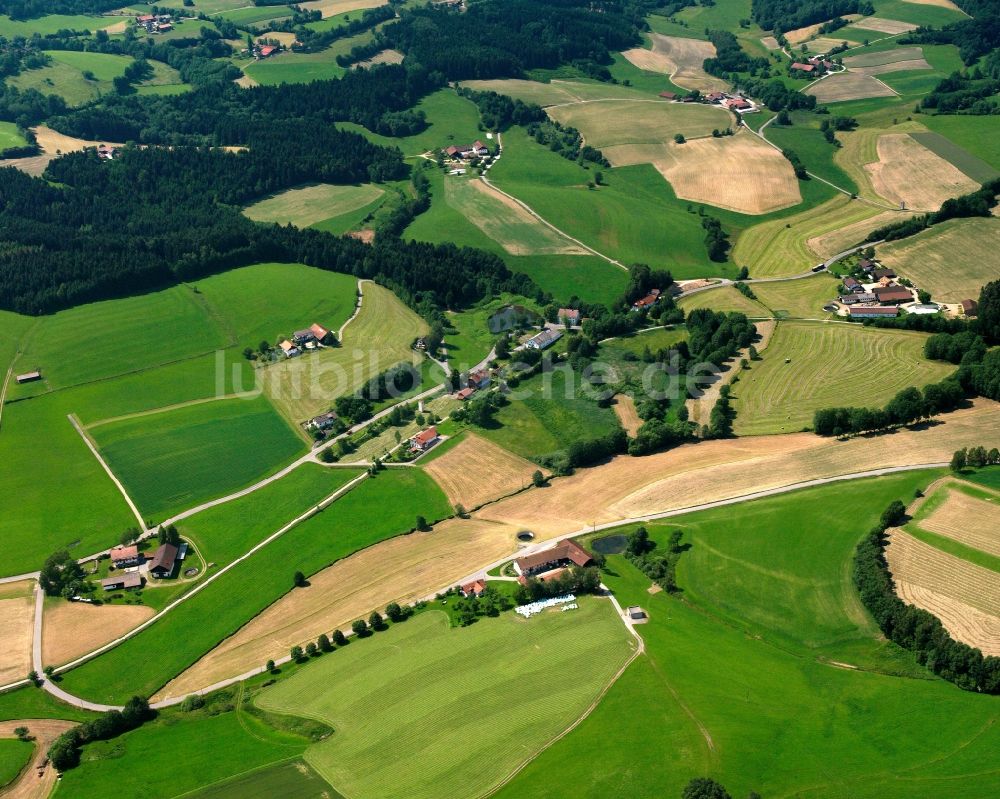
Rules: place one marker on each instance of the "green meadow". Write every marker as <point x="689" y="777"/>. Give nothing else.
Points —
<point x="14" y="756"/>
<point x="10" y="137"/>
<point x="768" y="675"/>
<point x="548" y="412"/>
<point x="224" y="532"/>
<point x="173" y="460"/>
<point x="65" y="75"/>
<point x="458" y="708"/>
<point x="52" y="23"/>
<point x="148" y="661"/>
<point x="191" y="754"/>
<point x="284" y="778"/>
<point x="806" y="140"/>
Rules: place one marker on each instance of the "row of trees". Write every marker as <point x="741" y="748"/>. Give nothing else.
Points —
<point x="660" y="567"/>
<point x="576" y="580"/>
<point x="65" y="750"/>
<point x="911" y="627"/>
<point x="787" y="15"/>
<point x="974" y="458"/>
<point x="908" y="406"/>
<point x="977" y="203"/>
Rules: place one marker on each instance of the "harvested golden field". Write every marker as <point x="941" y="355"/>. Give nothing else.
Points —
<point x="799" y="35"/>
<point x="890" y="26"/>
<point x="555" y="92"/>
<point x="747" y="175"/>
<point x="17" y="614"/>
<point x="72" y="629"/>
<point x="414" y="566"/>
<point x="966" y="597"/>
<point x="781" y="247"/>
<point x="680" y="58"/>
<point x="813" y="365"/>
<point x="884" y="57"/>
<point x="624" y="408"/>
<point x="895" y="66"/>
<point x="403" y="569"/>
<point x="383" y="57"/>
<point x="30" y="784"/>
<point x="476" y="471"/>
<point x="971" y="520"/>
<point x="52" y="144"/>
<point x="906" y="171"/>
<point x="285" y="37"/>
<point x="938" y="3"/>
<point x="330" y="8"/>
<point x="848" y="86"/>
<point x="610" y="123"/>
<point x="714" y="470"/>
<point x="308" y="205"/>
<point x="770" y="43"/>
<point x="952" y="261"/>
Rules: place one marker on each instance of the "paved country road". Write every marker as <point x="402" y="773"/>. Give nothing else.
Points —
<point x="56" y="691"/>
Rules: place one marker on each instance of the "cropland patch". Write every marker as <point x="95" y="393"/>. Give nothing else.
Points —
<point x="957" y="156"/>
<point x="52" y="144"/>
<point x="174" y="460"/>
<point x="966" y="518"/>
<point x="890" y="26"/>
<point x="798" y="299"/>
<point x="939" y="3"/>
<point x="809" y="366"/>
<point x="555" y="92"/>
<point x="311" y="204"/>
<point x="506" y="221"/>
<point x="966" y="597"/>
<point x="432" y="691"/>
<point x="770" y="42"/>
<point x="907" y="172"/>
<point x="476" y="470"/>
<point x="383" y="57"/>
<point x="331" y="8"/>
<point x="628" y="417"/>
<point x="747" y="175"/>
<point x="72" y="629"/>
<point x="844" y="86"/>
<point x="879" y="57"/>
<point x="377" y="339"/>
<point x="17" y="613"/>
<point x="681" y="58"/>
<point x="851" y="234"/>
<point x="952" y="261"/>
<point x="724" y="298"/>
<point x="713" y="470"/>
<point x="618" y="122"/>
<point x="800" y="35"/>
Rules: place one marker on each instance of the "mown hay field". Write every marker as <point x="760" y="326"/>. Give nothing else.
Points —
<point x="308" y="205"/>
<point x="844" y="86"/>
<point x="793" y="244"/>
<point x="476" y="470"/>
<point x="724" y="298"/>
<point x="504" y="220"/>
<point x="378" y="338"/>
<point x="747" y="176"/>
<point x="628" y="417"/>
<point x="809" y="366"/>
<point x="331" y="8"/>
<point x="798" y="299"/>
<point x="800" y="35"/>
<point x="176" y="459"/>
<point x="889" y="26"/>
<point x="679" y="57"/>
<point x="556" y="92"/>
<point x="607" y="123"/>
<point x="10" y="137"/>
<point x="497" y="691"/>
<point x="72" y="629"/>
<point x="952" y="261"/>
<point x="966" y="597"/>
<point x="907" y="172"/>
<point x="17" y="613"/>
<point x="714" y="470"/>
<point x="967" y="518"/>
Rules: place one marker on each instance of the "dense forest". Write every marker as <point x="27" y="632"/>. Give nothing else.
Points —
<point x="226" y="114"/>
<point x="787" y="15"/>
<point x="155" y="216"/>
<point x="503" y="39"/>
<point x="29" y="9"/>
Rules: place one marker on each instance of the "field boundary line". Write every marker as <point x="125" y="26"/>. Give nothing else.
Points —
<point x="639" y="650"/>
<point x="201" y="788"/>
<point x="104" y="464"/>
<point x="178" y="406"/>
<point x="318" y="508"/>
<point x="542" y="219"/>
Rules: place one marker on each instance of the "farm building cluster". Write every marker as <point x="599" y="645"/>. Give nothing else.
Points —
<point x="310" y="338"/>
<point x="734" y="102"/>
<point x="874" y="292"/>
<point x="476" y="380"/>
<point x="424" y="440"/>
<point x="814" y="67"/>
<point x="549" y="564"/>
<point x="466" y="152"/>
<point x="154" y="23"/>
<point x="132" y="567"/>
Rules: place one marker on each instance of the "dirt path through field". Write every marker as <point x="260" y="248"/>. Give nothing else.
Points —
<point x="36" y="781"/>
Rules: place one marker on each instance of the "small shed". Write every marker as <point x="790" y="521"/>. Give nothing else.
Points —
<point x="29" y="377"/>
